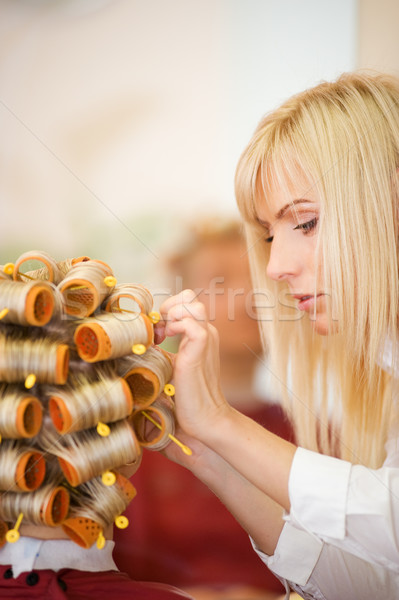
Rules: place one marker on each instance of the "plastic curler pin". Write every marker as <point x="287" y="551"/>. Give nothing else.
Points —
<point x="110" y="281"/>
<point x="9" y="268"/>
<point x="169" y="389"/>
<point x="154" y="317"/>
<point x="108" y="478"/>
<point x="30" y="381"/>
<point x="121" y="522"/>
<point x="12" y="535"/>
<point x="100" y="543"/>
<point x="103" y="429"/>
<point x="139" y="349"/>
<point x="3" y="313"/>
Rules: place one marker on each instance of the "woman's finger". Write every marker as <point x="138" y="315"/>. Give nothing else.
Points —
<point x="194" y="340"/>
<point x="195" y="311"/>
<point x="185" y="297"/>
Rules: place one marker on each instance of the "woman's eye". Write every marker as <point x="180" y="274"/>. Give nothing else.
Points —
<point x="269" y="239"/>
<point x="308" y="226"/>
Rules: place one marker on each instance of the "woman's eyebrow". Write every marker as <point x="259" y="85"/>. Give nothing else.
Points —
<point x="280" y="214"/>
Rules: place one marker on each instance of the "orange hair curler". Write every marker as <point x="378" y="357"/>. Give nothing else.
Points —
<point x="82" y="531"/>
<point x="55" y="509"/>
<point x="30" y="471"/>
<point x="85" y="287"/>
<point x="29" y="417"/>
<point x="112" y="337"/>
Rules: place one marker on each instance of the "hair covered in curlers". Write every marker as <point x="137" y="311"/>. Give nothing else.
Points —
<point x="146" y="375"/>
<point x="27" y="304"/>
<point x="20" y="356"/>
<point x="94" y="506"/>
<point x="20" y="413"/>
<point x="112" y="336"/>
<point x="85" y="287"/>
<point x="48" y="505"/>
<point x="86" y="403"/>
<point x="143" y="422"/>
<point x="62" y="388"/>
<point x="22" y="468"/>
<point x="37" y="264"/>
<point x="135" y="299"/>
<point x="86" y="454"/>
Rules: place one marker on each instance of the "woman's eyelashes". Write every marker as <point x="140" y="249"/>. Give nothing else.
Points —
<point x="306" y="228"/>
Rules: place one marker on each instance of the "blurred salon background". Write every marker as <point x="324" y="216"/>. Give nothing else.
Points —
<point x="122" y="119"/>
<point x="121" y="125"/>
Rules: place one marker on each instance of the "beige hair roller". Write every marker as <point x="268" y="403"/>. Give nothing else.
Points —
<point x="111" y="336"/>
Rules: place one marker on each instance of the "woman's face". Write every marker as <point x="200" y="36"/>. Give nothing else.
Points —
<point x="291" y="222"/>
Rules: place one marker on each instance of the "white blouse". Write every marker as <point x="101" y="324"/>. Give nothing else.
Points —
<point x="32" y="553"/>
<point x="341" y="537"/>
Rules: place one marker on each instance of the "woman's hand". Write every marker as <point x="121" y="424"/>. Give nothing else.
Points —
<point x="259" y="456"/>
<point x="201" y="459"/>
<point x="199" y="400"/>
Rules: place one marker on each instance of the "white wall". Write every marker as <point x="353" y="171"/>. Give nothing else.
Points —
<point x="117" y="117"/>
<point x="378" y="39"/>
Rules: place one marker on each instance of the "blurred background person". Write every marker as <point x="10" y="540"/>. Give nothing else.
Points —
<point x="180" y="532"/>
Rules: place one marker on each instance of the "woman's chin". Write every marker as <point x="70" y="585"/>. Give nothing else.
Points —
<point x="324" y="326"/>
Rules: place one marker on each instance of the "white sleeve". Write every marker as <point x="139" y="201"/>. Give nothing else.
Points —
<point x="321" y="571"/>
<point x="350" y="506"/>
<point x="295" y="556"/>
<point x="341" y="538"/>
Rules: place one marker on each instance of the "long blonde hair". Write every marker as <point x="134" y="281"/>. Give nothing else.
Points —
<point x="344" y="138"/>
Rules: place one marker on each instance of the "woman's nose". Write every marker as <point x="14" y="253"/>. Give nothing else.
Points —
<point x="283" y="262"/>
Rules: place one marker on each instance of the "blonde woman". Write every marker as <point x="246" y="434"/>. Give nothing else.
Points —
<point x="318" y="190"/>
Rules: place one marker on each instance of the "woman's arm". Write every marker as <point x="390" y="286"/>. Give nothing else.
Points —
<point x="262" y="458"/>
<point x="350" y="506"/>
<point x="259" y="516"/>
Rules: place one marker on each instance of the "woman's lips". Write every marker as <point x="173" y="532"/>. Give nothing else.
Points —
<point x="306" y="302"/>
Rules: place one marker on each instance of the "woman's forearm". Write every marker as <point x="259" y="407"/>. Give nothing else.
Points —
<point x="244" y="500"/>
<point x="263" y="458"/>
